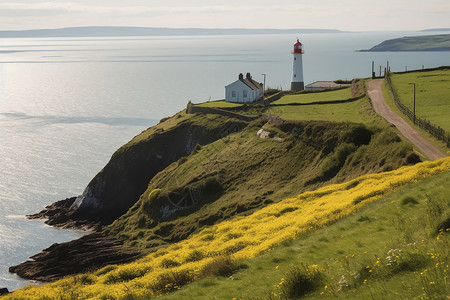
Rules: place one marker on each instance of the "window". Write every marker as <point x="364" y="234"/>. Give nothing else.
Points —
<point x="244" y="94"/>
<point x="295" y="75"/>
<point x="233" y="94"/>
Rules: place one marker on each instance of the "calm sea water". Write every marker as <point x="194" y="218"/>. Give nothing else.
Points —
<point x="66" y="104"/>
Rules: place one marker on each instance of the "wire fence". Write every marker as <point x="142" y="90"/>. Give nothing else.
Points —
<point x="434" y="130"/>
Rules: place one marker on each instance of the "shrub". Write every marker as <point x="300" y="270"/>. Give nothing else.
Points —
<point x="220" y="266"/>
<point x="169" y="263"/>
<point x="405" y="261"/>
<point x="105" y="270"/>
<point x="301" y="280"/>
<point x="172" y="281"/>
<point x="409" y="200"/>
<point x="443" y="226"/>
<point x="84" y="279"/>
<point x="195" y="256"/>
<point x="126" y="274"/>
<point x="358" y="135"/>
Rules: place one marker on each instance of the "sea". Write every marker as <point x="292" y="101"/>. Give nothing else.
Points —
<point x="66" y="104"/>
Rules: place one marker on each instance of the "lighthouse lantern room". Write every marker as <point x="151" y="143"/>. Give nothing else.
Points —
<point x="297" y="83"/>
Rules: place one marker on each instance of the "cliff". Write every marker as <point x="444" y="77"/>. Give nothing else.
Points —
<point x="120" y="183"/>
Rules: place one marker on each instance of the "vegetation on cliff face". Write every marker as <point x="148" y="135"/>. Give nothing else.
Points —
<point x="244" y="237"/>
<point x="118" y="186"/>
<point x="243" y="172"/>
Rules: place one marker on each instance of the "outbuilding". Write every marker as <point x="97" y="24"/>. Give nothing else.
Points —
<point x="244" y="90"/>
<point x="325" y="85"/>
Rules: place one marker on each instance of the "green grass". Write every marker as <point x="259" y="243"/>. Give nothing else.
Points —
<point x="219" y="104"/>
<point x="432" y="94"/>
<point x="358" y="111"/>
<point x="359" y="248"/>
<point x="243" y="172"/>
<point x="392" y="105"/>
<point x="341" y="94"/>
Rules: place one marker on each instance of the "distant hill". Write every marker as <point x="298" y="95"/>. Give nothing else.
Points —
<point x="437" y="29"/>
<point x="439" y="42"/>
<point x="109" y="31"/>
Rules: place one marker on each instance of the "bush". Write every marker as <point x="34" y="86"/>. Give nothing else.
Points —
<point x="195" y="256"/>
<point x="302" y="280"/>
<point x="105" y="270"/>
<point x="220" y="266"/>
<point x="358" y="135"/>
<point x="172" y="281"/>
<point x="126" y="274"/>
<point x="169" y="263"/>
<point x="409" y="200"/>
<point x="84" y="279"/>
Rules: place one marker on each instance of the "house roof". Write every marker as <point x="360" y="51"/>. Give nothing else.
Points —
<point x="326" y="85"/>
<point x="248" y="81"/>
<point x="254" y="85"/>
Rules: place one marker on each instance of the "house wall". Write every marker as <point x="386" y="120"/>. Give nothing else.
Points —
<point x="239" y="87"/>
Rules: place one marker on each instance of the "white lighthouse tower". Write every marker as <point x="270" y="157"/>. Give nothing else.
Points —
<point x="297" y="83"/>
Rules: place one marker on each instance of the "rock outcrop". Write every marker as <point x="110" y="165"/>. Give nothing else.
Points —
<point x="3" y="291"/>
<point x="87" y="253"/>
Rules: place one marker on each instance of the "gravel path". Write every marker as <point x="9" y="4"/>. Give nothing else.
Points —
<point x="380" y="107"/>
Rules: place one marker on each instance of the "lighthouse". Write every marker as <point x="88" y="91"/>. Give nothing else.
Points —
<point x="297" y="83"/>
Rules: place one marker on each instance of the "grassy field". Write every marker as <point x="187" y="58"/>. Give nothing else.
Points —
<point x="432" y="94"/>
<point x="341" y="94"/>
<point x="301" y="107"/>
<point x="356" y="257"/>
<point x="357" y="111"/>
<point x="219" y="104"/>
<point x="389" y="250"/>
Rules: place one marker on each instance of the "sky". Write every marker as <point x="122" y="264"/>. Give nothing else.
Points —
<point x="355" y="15"/>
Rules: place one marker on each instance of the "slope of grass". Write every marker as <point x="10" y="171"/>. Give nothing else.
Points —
<point x="336" y="112"/>
<point x="304" y="106"/>
<point x="397" y="236"/>
<point x="340" y="94"/>
<point x="432" y="94"/>
<point x="219" y="104"/>
<point x="243" y="172"/>
<point x="250" y="236"/>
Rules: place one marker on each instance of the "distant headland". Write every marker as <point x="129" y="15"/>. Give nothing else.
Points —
<point x="110" y="31"/>
<point x="440" y="42"/>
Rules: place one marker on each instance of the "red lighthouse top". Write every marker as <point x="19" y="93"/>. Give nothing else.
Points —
<point x="298" y="47"/>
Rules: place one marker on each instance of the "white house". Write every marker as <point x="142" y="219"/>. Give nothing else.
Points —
<point x="244" y="90"/>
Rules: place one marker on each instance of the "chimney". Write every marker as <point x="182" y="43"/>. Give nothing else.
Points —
<point x="248" y="76"/>
<point x="241" y="76"/>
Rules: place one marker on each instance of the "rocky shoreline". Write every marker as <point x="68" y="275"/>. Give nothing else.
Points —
<point x="90" y="252"/>
<point x="87" y="253"/>
<point x="59" y="215"/>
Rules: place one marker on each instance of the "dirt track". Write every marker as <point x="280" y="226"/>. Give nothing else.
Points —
<point x="380" y="107"/>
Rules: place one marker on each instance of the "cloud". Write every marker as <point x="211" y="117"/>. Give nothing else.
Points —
<point x="73" y="7"/>
<point x="354" y="14"/>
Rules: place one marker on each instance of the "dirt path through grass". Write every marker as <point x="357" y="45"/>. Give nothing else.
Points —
<point x="380" y="107"/>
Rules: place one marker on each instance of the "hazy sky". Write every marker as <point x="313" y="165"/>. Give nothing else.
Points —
<point x="333" y="14"/>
